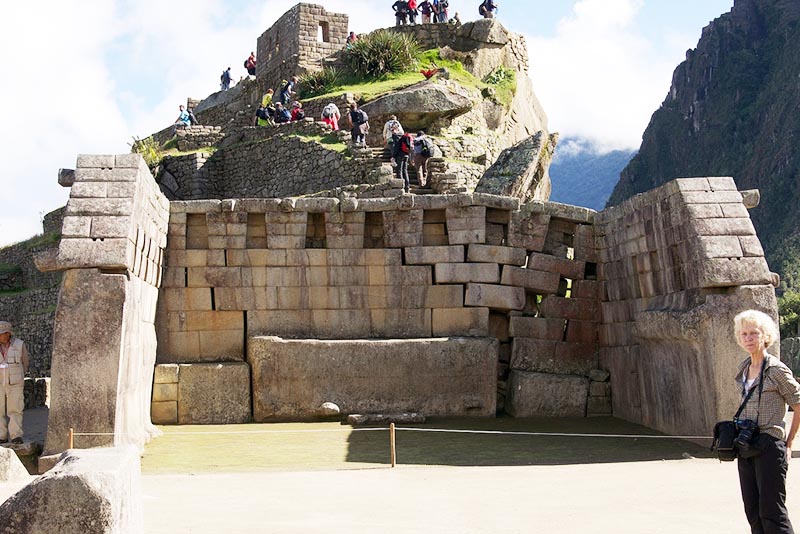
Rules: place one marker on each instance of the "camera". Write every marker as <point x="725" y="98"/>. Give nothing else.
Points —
<point x="747" y="429"/>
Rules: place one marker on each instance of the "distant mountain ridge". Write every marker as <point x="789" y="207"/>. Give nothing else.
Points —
<point x="583" y="177"/>
<point x="734" y="110"/>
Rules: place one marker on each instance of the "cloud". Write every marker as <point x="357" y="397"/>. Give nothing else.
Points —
<point x="599" y="77"/>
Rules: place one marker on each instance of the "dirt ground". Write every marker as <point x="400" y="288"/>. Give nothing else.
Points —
<point x="205" y="479"/>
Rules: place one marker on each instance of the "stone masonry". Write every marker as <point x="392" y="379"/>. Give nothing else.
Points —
<point x="113" y="235"/>
<point x="675" y="265"/>
<point x="298" y="42"/>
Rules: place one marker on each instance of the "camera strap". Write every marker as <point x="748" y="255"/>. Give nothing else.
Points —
<point x="750" y="393"/>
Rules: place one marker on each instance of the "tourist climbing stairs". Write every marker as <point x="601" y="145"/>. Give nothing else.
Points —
<point x="384" y="155"/>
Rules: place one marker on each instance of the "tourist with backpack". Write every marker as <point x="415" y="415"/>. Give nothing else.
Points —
<point x="359" y="125"/>
<point x="250" y="64"/>
<point x="331" y="116"/>
<point x="440" y="8"/>
<point x="487" y="9"/>
<point x="298" y="113"/>
<point x="390" y="129"/>
<point x="402" y="147"/>
<point x="423" y="150"/>
<point x="225" y="79"/>
<point x="288" y="91"/>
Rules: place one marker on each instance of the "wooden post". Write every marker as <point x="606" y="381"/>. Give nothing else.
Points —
<point x="392" y="444"/>
<point x="71" y="439"/>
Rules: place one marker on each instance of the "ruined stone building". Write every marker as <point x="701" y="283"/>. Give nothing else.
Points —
<point x="213" y="293"/>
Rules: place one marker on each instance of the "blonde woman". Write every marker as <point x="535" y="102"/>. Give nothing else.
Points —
<point x="764" y="449"/>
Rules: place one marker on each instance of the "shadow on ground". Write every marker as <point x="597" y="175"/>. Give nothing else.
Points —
<point x="317" y="446"/>
<point x="508" y="449"/>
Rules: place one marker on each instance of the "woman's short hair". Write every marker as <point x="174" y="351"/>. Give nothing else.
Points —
<point x="760" y="320"/>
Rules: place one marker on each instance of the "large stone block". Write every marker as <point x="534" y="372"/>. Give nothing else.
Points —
<point x="566" y="268"/>
<point x="537" y="328"/>
<point x="494" y="296"/>
<point x="462" y="273"/>
<point x="537" y="281"/>
<point x="470" y="322"/>
<point x="88" y="491"/>
<point x="546" y="395"/>
<point x="433" y="255"/>
<point x="293" y="378"/>
<point x="214" y="393"/>
<point x="569" y="308"/>
<point x="553" y="356"/>
<point x="497" y="254"/>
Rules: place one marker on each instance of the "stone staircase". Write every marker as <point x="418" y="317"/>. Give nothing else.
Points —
<point x="384" y="155"/>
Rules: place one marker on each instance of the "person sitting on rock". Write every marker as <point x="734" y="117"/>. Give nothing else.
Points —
<point x="183" y="120"/>
<point x="400" y="12"/>
<point x="297" y="111"/>
<point x="282" y="114"/>
<point x="331" y="116"/>
<point x="390" y="129"/>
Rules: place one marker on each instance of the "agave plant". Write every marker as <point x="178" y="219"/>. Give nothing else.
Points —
<point x="381" y="52"/>
<point x="319" y="82"/>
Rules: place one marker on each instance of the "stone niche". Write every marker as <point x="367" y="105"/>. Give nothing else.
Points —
<point x="435" y="376"/>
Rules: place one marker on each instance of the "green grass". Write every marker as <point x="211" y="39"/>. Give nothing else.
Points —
<point x="331" y="142"/>
<point x="318" y="446"/>
<point x="371" y="89"/>
<point x="174" y="152"/>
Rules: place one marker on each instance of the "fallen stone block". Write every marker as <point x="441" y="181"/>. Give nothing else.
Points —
<point x="89" y="491"/>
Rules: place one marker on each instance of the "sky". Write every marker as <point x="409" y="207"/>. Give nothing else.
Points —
<point x="87" y="76"/>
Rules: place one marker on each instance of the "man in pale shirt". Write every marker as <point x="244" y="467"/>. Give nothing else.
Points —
<point x="13" y="366"/>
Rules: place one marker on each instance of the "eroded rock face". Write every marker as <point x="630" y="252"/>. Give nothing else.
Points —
<point x="521" y="171"/>
<point x="90" y="491"/>
<point x="11" y="469"/>
<point x="419" y="106"/>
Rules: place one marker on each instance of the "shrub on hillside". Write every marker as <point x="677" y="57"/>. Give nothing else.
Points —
<point x="381" y="52"/>
<point x="319" y="82"/>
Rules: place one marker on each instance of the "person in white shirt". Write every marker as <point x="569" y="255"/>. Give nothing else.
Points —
<point x="13" y="366"/>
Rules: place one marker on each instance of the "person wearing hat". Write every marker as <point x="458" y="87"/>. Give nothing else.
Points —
<point x="13" y="365"/>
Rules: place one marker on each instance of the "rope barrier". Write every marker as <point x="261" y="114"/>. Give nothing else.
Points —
<point x="393" y="431"/>
<point x="559" y="434"/>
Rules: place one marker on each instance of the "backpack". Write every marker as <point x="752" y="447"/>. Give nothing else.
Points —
<point x="482" y="9"/>
<point x="406" y="142"/>
<point x="327" y="111"/>
<point x="362" y="117"/>
<point x="426" y="148"/>
<point x="300" y="114"/>
<point x="262" y="114"/>
<point x="246" y="61"/>
<point x="443" y="4"/>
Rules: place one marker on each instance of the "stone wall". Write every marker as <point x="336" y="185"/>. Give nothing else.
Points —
<point x="407" y="267"/>
<point x="113" y="235"/>
<point x="298" y="42"/>
<point x="676" y="264"/>
<point x="198" y="137"/>
<point x="270" y="162"/>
